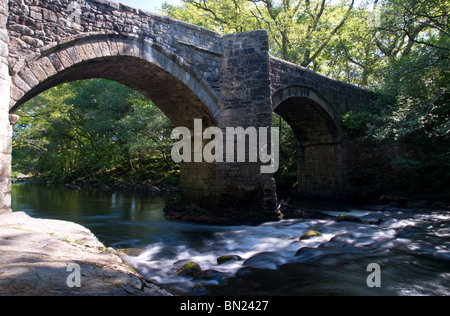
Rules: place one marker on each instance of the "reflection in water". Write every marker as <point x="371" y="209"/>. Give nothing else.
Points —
<point x="411" y="247"/>
<point x="113" y="216"/>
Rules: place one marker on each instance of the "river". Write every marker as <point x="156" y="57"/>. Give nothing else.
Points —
<point x="410" y="247"/>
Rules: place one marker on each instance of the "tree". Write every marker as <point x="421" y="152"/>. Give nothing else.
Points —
<point x="93" y="130"/>
<point x="365" y="50"/>
<point x="299" y="30"/>
<point x="413" y="109"/>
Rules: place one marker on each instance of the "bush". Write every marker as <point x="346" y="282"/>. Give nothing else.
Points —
<point x="356" y="124"/>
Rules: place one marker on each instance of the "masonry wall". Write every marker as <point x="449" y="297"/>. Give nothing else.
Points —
<point x="324" y="170"/>
<point x="5" y="127"/>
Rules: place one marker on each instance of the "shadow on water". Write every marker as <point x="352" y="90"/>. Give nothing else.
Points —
<point x="411" y="247"/>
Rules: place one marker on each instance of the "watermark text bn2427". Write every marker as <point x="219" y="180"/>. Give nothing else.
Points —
<point x="263" y="145"/>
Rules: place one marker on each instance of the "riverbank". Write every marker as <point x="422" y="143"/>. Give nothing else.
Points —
<point x="35" y="255"/>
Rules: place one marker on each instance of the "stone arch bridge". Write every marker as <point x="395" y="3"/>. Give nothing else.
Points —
<point x="190" y="73"/>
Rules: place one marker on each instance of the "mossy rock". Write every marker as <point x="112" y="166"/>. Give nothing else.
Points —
<point x="310" y="234"/>
<point x="348" y="218"/>
<point x="191" y="269"/>
<point x="409" y="231"/>
<point x="227" y="258"/>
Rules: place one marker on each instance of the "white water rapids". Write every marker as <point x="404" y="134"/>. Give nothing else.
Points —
<point x="412" y="248"/>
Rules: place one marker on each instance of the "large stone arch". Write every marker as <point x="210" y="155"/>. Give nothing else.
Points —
<point x="138" y="63"/>
<point x="322" y="153"/>
<point x="144" y="67"/>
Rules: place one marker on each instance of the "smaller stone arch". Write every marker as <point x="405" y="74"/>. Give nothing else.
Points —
<point x="308" y="113"/>
<point x="322" y="148"/>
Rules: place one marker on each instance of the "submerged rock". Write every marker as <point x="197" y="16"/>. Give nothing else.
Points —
<point x="410" y="230"/>
<point x="71" y="186"/>
<point x="291" y="213"/>
<point x="265" y="260"/>
<point x="308" y="255"/>
<point x="348" y="218"/>
<point x="310" y="234"/>
<point x="212" y="274"/>
<point x="227" y="258"/>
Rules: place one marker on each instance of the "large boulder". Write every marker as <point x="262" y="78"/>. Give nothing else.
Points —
<point x="191" y="269"/>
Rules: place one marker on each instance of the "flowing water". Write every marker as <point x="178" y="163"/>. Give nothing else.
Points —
<point x="411" y="247"/>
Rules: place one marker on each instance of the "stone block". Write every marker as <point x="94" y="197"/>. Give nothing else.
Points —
<point x="113" y="48"/>
<point x="56" y="62"/>
<point x="88" y="51"/>
<point x="5" y="139"/>
<point x="65" y="59"/>
<point x="47" y="66"/>
<point x="40" y="74"/>
<point x="73" y="54"/>
<point x="28" y="77"/>
<point x="5" y="202"/>
<point x="16" y="94"/>
<point x="104" y="48"/>
<point x="49" y="16"/>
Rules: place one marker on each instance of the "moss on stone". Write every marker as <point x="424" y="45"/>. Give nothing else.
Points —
<point x="226" y="258"/>
<point x="191" y="269"/>
<point x="348" y="218"/>
<point x="310" y="234"/>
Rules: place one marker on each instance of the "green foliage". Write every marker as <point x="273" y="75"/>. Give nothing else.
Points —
<point x="356" y="124"/>
<point x="286" y="177"/>
<point x="299" y="30"/>
<point x="96" y="130"/>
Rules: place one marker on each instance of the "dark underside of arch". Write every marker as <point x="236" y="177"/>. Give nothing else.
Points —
<point x="308" y="120"/>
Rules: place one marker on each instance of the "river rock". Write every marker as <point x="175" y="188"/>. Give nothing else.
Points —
<point x="308" y="255"/>
<point x="71" y="186"/>
<point x="291" y="213"/>
<point x="310" y="234"/>
<point x="104" y="187"/>
<point x="212" y="274"/>
<point x="348" y="218"/>
<point x="191" y="269"/>
<point x="227" y="258"/>
<point x="265" y="260"/>
<point x="409" y="231"/>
